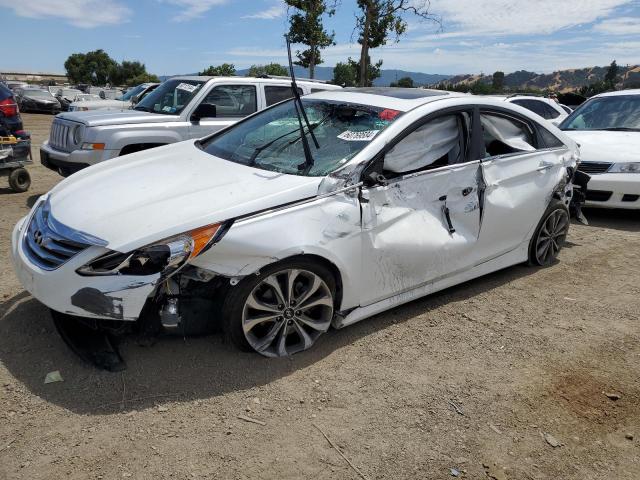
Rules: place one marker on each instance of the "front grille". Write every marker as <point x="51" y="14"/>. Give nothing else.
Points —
<point x="59" y="137"/>
<point x="594" y="167"/>
<point x="598" y="195"/>
<point x="44" y="243"/>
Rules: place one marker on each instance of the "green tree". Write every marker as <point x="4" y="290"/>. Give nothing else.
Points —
<point x="142" y="78"/>
<point x="498" y="81"/>
<point x="611" y="76"/>
<point x="305" y="26"/>
<point x="271" y="69"/>
<point x="344" y="74"/>
<point x="224" y="70"/>
<point x="378" y="19"/>
<point x="94" y="67"/>
<point x="405" y="82"/>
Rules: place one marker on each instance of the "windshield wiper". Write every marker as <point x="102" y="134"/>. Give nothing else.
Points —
<point x="621" y="129"/>
<point x="300" y="113"/>
<point x="141" y="108"/>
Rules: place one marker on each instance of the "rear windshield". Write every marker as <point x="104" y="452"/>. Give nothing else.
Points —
<point x="271" y="139"/>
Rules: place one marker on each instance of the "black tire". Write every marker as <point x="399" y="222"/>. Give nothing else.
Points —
<point x="234" y="302"/>
<point x="550" y="235"/>
<point x="19" y="180"/>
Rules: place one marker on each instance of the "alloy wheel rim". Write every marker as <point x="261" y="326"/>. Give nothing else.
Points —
<point x="551" y="236"/>
<point x="287" y="312"/>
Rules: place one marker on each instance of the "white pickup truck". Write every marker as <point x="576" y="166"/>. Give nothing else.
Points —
<point x="181" y="108"/>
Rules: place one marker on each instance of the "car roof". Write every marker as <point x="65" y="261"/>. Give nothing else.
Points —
<point x="284" y="81"/>
<point x="403" y="99"/>
<point x="631" y="91"/>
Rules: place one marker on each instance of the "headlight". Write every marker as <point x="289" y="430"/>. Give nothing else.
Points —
<point x="627" y="167"/>
<point x="164" y="257"/>
<point x="75" y="135"/>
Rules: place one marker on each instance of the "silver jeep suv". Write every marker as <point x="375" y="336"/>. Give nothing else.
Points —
<point x="181" y="108"/>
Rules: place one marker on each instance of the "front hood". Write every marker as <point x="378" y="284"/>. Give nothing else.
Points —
<point x="96" y="118"/>
<point x="44" y="101"/>
<point x="97" y="104"/>
<point x="605" y="146"/>
<point x="151" y="195"/>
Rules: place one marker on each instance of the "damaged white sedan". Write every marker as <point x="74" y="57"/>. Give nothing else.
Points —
<point x="310" y="214"/>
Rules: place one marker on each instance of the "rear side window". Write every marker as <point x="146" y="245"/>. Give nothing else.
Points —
<point x="536" y="106"/>
<point x="233" y="100"/>
<point x="505" y="135"/>
<point x="275" y="94"/>
<point x="549" y="139"/>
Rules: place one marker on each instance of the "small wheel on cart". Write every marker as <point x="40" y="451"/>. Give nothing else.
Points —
<point x="19" y="180"/>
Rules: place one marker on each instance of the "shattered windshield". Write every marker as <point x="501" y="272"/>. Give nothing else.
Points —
<point x="170" y="97"/>
<point x="619" y="112"/>
<point x="271" y="140"/>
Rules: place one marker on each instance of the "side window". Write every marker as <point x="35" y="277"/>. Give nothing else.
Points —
<point x="233" y="100"/>
<point x="504" y="135"/>
<point x="275" y="94"/>
<point x="549" y="139"/>
<point x="533" y="105"/>
<point x="550" y="112"/>
<point x="439" y="142"/>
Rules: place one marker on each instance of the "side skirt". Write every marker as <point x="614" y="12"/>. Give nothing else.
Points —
<point x="514" y="257"/>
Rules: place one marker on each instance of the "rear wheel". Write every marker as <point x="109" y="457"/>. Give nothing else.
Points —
<point x="549" y="236"/>
<point x="19" y="180"/>
<point x="282" y="311"/>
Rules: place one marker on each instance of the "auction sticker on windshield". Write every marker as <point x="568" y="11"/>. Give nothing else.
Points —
<point x="364" y="136"/>
<point x="187" y="86"/>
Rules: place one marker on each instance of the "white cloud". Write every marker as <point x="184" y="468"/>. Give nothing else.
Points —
<point x="271" y="13"/>
<point x="520" y="17"/>
<point x="190" y="9"/>
<point x="619" y="26"/>
<point x="81" y="13"/>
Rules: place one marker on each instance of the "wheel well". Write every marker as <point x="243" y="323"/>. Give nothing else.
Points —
<point x="138" y="147"/>
<point x="326" y="263"/>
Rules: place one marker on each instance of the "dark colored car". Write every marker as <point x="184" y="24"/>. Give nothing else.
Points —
<point x="66" y="96"/>
<point x="10" y="121"/>
<point x="36" y="100"/>
<point x="15" y="143"/>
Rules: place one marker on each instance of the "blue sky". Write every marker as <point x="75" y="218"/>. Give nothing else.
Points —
<point x="183" y="36"/>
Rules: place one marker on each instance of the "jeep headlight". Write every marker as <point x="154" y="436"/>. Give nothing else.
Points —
<point x="75" y="135"/>
<point x="164" y="257"/>
<point x="626" y="167"/>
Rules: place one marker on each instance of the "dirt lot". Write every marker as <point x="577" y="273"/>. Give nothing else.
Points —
<point x="519" y="354"/>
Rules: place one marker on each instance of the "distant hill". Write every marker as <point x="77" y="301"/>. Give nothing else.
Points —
<point x="387" y="76"/>
<point x="560" y="81"/>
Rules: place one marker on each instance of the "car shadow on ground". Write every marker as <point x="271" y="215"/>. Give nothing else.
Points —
<point x="178" y="369"/>
<point x="627" y="220"/>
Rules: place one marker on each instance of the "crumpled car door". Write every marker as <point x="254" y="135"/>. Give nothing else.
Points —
<point x="418" y="229"/>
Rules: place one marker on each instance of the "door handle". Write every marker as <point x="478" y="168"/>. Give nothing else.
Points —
<point x="447" y="215"/>
<point x="544" y="165"/>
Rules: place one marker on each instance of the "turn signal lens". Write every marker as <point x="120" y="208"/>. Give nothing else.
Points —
<point x="93" y="146"/>
<point x="201" y="238"/>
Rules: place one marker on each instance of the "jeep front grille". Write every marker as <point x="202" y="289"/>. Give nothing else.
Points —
<point x="45" y="243"/>
<point x="59" y="136"/>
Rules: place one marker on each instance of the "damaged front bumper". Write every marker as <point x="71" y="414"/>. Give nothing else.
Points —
<point x="115" y="297"/>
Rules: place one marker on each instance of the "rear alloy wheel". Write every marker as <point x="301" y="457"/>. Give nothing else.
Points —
<point x="283" y="311"/>
<point x="550" y="237"/>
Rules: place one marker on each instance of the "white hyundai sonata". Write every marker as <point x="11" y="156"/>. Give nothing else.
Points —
<point x="306" y="215"/>
<point x="607" y="127"/>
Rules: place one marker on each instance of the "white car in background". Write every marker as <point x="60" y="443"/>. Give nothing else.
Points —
<point x="121" y="101"/>
<point x="547" y="108"/>
<point x="607" y="128"/>
<point x="287" y="226"/>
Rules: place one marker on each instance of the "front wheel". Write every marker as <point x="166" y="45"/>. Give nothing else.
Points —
<point x="281" y="311"/>
<point x="549" y="236"/>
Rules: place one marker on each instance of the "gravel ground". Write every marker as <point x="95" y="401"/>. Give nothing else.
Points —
<point x="504" y="377"/>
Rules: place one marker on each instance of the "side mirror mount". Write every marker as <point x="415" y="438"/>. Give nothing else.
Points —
<point x="204" y="110"/>
<point x="135" y="99"/>
<point x="372" y="175"/>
